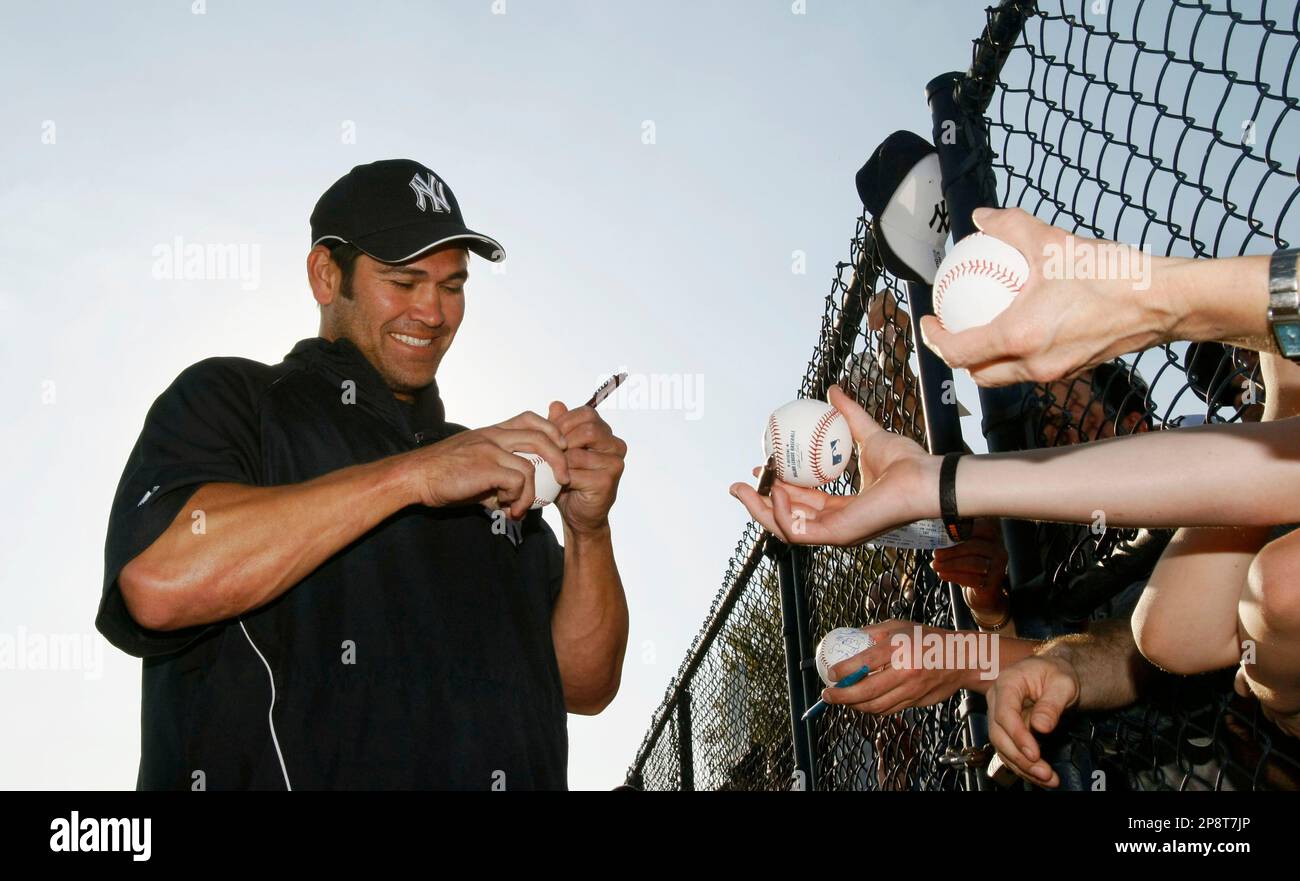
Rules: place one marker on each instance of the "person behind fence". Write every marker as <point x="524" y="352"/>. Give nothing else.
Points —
<point x="1102" y="669"/>
<point x="1059" y="324"/>
<point x="1085" y="577"/>
<point x="1079" y="569"/>
<point x="1040" y="680"/>
<point x="1097" y="403"/>
<point x="1240" y="476"/>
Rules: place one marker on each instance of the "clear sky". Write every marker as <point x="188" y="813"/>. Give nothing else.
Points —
<point x="650" y="168"/>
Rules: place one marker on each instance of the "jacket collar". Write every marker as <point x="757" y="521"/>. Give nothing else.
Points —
<point x="340" y="360"/>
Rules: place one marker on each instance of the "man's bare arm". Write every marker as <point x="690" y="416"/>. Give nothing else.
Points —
<point x="1186" y="621"/>
<point x="1097" y="670"/>
<point x="260" y="541"/>
<point x="590" y="622"/>
<point x="1106" y="660"/>
<point x="1269" y="631"/>
<point x="256" y="544"/>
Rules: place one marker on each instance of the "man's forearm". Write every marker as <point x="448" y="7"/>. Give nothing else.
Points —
<point x="1219" y="475"/>
<point x="1225" y="300"/>
<point x="257" y="542"/>
<point x="1010" y="650"/>
<point x="590" y="621"/>
<point x="1106" y="661"/>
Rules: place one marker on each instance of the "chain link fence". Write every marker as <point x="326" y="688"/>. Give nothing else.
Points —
<point x="1166" y="124"/>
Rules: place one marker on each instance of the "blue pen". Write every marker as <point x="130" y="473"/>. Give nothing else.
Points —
<point x="820" y="707"/>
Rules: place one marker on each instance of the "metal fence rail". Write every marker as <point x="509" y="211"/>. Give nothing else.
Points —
<point x="1167" y="124"/>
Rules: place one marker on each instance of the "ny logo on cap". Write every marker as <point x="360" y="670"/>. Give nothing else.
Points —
<point x="431" y="187"/>
<point x="941" y="216"/>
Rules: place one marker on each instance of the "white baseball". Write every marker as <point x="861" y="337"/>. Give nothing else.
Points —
<point x="811" y="441"/>
<point x="976" y="281"/>
<point x="545" y="486"/>
<point x="840" y="644"/>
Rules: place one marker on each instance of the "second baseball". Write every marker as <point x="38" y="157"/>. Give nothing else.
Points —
<point x="840" y="644"/>
<point x="976" y="281"/>
<point x="810" y="440"/>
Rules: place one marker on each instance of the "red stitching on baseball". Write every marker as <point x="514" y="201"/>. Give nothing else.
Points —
<point x="818" y="435"/>
<point x="778" y="448"/>
<point x="976" y="266"/>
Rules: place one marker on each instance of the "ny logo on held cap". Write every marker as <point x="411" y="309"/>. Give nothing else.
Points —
<point x="431" y="187"/>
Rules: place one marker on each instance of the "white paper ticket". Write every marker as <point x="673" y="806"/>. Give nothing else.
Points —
<point x="923" y="535"/>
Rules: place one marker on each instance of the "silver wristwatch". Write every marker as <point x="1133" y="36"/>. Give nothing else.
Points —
<point x="1284" y="301"/>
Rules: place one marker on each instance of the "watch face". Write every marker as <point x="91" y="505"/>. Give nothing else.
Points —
<point x="1287" y="334"/>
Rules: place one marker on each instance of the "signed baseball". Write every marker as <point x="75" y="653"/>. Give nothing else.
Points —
<point x="840" y="644"/>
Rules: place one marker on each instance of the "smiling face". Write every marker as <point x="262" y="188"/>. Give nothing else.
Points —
<point x="402" y="317"/>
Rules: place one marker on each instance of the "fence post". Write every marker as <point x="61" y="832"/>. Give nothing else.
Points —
<point x="794" y="628"/>
<point x="685" y="747"/>
<point x="957" y="105"/>
<point x="943" y="435"/>
<point x="967" y="185"/>
<point x="809" y="678"/>
<point x="961" y="138"/>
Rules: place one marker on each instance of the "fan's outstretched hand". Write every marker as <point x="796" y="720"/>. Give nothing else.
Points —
<point x="900" y="484"/>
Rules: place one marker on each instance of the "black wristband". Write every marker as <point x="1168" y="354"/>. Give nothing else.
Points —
<point x="958" y="529"/>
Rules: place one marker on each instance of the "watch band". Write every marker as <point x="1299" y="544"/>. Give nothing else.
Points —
<point x="958" y="529"/>
<point x="1284" y="301"/>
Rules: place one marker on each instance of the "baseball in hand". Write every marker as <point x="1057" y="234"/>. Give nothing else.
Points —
<point x="840" y="644"/>
<point x="976" y="281"/>
<point x="544" y="482"/>
<point x="811" y="441"/>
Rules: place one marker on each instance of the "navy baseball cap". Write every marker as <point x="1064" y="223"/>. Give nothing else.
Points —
<point x="395" y="210"/>
<point x="902" y="186"/>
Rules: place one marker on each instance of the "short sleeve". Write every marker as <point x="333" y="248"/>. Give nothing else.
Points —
<point x="202" y="429"/>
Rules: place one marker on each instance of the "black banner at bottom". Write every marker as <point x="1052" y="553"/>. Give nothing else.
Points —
<point x="212" y="830"/>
